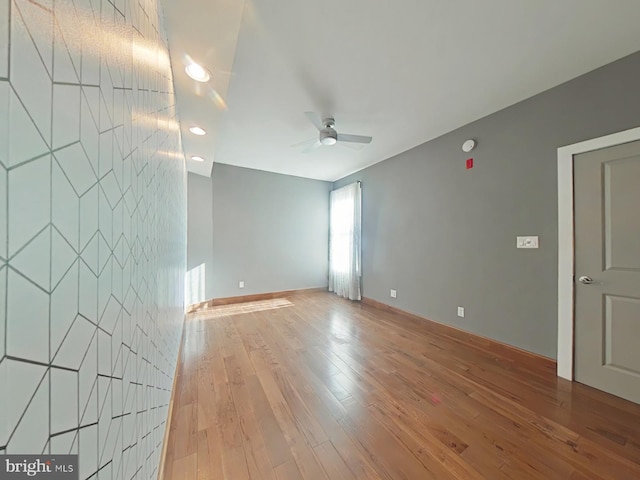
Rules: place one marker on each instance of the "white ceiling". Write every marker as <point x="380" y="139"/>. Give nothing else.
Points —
<point x="403" y="72"/>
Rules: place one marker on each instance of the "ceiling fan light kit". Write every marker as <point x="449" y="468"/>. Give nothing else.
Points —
<point x="328" y="135"/>
<point x="328" y="139"/>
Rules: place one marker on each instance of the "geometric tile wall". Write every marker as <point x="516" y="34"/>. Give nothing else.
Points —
<point x="92" y="232"/>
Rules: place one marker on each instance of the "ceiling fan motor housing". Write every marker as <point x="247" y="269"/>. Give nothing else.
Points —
<point x="328" y="136"/>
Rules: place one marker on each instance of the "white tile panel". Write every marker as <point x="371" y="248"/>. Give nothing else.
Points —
<point x="29" y="201"/>
<point x="89" y="217"/>
<point x="66" y="115"/>
<point x="29" y="77"/>
<point x="27" y="319"/>
<point x="3" y="310"/>
<point x="4" y="38"/>
<point x="38" y="18"/>
<point x="3" y="213"/>
<point x="64" y="400"/>
<point x="76" y="166"/>
<point x="22" y="380"/>
<point x="94" y="214"/>
<point x="62" y="256"/>
<point x="88" y="293"/>
<point x="64" y="309"/>
<point x="65" y="207"/>
<point x="32" y="433"/>
<point x="73" y="351"/>
<point x="34" y="259"/>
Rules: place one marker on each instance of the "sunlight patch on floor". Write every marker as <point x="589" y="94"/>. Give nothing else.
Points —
<point x="240" y="308"/>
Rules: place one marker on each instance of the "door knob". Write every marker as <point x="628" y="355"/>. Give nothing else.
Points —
<point x="585" y="279"/>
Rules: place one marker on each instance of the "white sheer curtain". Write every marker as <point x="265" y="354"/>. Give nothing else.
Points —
<point x="344" y="241"/>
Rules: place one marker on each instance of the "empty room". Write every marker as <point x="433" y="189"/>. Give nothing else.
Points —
<point x="320" y="240"/>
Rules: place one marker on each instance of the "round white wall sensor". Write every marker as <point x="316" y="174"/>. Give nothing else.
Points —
<point x="468" y="145"/>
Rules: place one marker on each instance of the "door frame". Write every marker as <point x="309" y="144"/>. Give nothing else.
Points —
<point x="566" y="240"/>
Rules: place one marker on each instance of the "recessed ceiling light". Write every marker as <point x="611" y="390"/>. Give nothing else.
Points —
<point x="197" y="72"/>
<point x="197" y="131"/>
<point x="197" y="159"/>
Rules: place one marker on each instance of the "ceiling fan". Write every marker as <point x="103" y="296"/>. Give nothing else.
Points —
<point x="327" y="132"/>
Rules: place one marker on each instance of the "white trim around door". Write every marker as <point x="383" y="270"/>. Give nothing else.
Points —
<point x="566" y="240"/>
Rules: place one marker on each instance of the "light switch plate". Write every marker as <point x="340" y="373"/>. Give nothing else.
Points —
<point x="393" y="293"/>
<point x="241" y="284"/>
<point x="527" y="242"/>
<point x="461" y="311"/>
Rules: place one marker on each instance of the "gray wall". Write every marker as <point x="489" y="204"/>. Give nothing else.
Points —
<point x="92" y="254"/>
<point x="444" y="236"/>
<point x="269" y="230"/>
<point x="200" y="229"/>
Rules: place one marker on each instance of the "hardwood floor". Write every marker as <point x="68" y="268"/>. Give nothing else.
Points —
<point x="329" y="389"/>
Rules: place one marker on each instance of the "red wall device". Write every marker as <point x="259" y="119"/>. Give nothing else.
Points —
<point x="469" y="163"/>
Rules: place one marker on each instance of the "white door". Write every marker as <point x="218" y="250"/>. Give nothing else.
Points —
<point x="607" y="269"/>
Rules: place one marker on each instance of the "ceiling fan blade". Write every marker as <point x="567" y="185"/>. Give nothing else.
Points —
<point x="311" y="148"/>
<point x="315" y="119"/>
<point x="342" y="137"/>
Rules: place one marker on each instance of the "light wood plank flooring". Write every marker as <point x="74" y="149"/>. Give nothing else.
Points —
<point x="329" y="389"/>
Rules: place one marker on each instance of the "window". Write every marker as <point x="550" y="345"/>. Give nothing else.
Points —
<point x="344" y="241"/>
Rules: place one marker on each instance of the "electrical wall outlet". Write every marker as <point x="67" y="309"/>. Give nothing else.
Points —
<point x="393" y="293"/>
<point x="461" y="311"/>
<point x="241" y="284"/>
